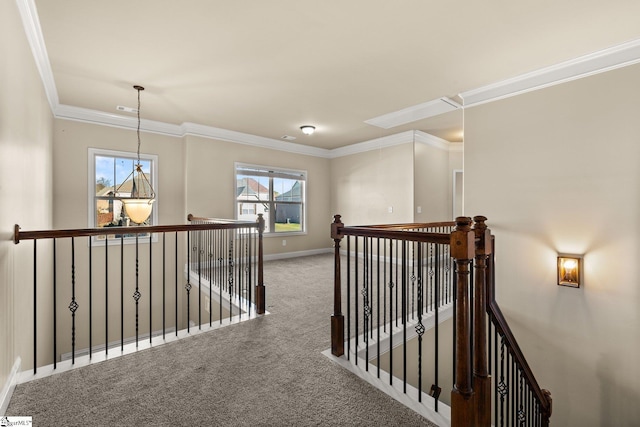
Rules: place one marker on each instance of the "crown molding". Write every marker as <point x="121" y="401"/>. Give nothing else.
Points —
<point x="85" y="115"/>
<point x="31" y="23"/>
<point x="373" y="144"/>
<point x="433" y="141"/>
<point x="598" y="62"/>
<point x="210" y="132"/>
<point x="414" y="113"/>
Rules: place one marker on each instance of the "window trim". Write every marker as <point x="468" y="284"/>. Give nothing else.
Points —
<point x="276" y="172"/>
<point x="91" y="190"/>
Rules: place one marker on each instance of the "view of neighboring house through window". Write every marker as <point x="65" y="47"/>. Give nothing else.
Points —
<point x="277" y="194"/>
<point x="108" y="172"/>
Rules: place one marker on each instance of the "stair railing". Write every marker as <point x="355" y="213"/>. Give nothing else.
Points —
<point x="130" y="280"/>
<point x="488" y="363"/>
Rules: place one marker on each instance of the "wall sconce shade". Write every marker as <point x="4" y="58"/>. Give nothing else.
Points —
<point x="569" y="270"/>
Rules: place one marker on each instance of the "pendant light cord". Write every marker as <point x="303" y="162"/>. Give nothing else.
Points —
<point x="138" y="131"/>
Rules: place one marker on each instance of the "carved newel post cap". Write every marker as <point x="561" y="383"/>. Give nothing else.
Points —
<point x="463" y="223"/>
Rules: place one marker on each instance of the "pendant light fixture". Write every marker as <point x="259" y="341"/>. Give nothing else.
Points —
<point x="139" y="203"/>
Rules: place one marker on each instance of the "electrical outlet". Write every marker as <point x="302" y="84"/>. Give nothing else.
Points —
<point x="390" y="209"/>
<point x="419" y="209"/>
<point x="284" y="242"/>
<point x="207" y="302"/>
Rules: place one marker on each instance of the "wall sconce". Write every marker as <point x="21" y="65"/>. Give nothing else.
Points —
<point x="569" y="270"/>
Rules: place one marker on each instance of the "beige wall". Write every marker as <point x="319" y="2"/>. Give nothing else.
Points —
<point x="556" y="170"/>
<point x="211" y="187"/>
<point x="70" y="210"/>
<point x="25" y="180"/>
<point x="365" y="185"/>
<point x="432" y="184"/>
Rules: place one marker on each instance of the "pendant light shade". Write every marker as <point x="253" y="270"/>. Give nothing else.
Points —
<point x="139" y="203"/>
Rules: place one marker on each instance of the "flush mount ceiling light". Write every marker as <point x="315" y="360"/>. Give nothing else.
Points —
<point x="138" y="202"/>
<point x="308" y="129"/>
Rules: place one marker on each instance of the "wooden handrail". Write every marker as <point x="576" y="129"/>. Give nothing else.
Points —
<point x="83" y="232"/>
<point x="413" y="225"/>
<point x="500" y="323"/>
<point x="417" y="236"/>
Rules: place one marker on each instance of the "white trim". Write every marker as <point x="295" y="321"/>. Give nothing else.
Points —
<point x="598" y="62"/>
<point x="431" y="140"/>
<point x="414" y="113"/>
<point x="69" y="112"/>
<point x="373" y="144"/>
<point x="33" y="31"/>
<point x="97" y="357"/>
<point x="9" y="387"/>
<point x="253" y="140"/>
<point x="287" y="255"/>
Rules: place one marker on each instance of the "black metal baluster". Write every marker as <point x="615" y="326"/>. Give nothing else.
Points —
<point x="250" y="283"/>
<point x="230" y="278"/>
<point x="73" y="305"/>
<point x="365" y="302"/>
<point x="136" y="294"/>
<point x="90" y="296"/>
<point x="164" y="283"/>
<point x="220" y="274"/>
<point x="175" y="302"/>
<point x="106" y="295"/>
<point x="437" y="327"/>
<point x="391" y="285"/>
<point x="404" y="316"/>
<point x="378" y="305"/>
<point x="495" y="377"/>
<point x="188" y="285"/>
<point x="502" y="387"/>
<point x="55" y="306"/>
<point x="198" y="250"/>
<point x="420" y="327"/>
<point x="413" y="280"/>
<point x="348" y="297"/>
<point x="384" y="286"/>
<point x="210" y="252"/>
<point x="35" y="306"/>
<point x="370" y="294"/>
<point x="150" y="288"/>
<point x="122" y="292"/>
<point x="355" y="297"/>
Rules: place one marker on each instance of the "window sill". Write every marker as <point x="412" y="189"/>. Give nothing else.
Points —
<point x="285" y="233"/>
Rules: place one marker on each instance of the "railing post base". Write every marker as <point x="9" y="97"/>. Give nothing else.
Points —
<point x="337" y="334"/>
<point x="260" y="299"/>
<point x="462" y="409"/>
<point x="482" y="396"/>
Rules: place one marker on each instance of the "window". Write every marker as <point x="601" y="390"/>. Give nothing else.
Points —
<point x="107" y="171"/>
<point x="278" y="194"/>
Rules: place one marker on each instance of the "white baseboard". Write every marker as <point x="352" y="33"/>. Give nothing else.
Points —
<point x="426" y="408"/>
<point x="9" y="386"/>
<point x="286" y="255"/>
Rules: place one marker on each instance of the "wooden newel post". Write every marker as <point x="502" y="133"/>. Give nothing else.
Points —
<point x="481" y="378"/>
<point x="337" y="319"/>
<point x="462" y="250"/>
<point x="260" y="291"/>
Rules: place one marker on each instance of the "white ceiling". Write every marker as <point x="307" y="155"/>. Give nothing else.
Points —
<point x="265" y="68"/>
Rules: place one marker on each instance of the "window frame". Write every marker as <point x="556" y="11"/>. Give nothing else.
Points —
<point x="92" y="198"/>
<point x="274" y="172"/>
